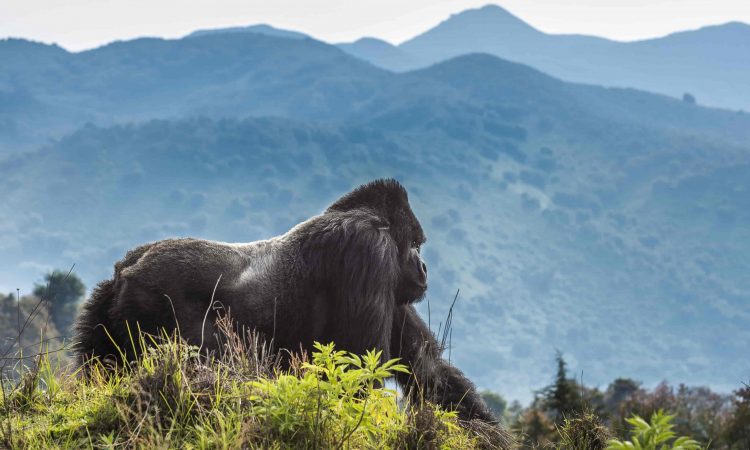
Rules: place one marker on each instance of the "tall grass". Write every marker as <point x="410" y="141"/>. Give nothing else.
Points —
<point x="175" y="397"/>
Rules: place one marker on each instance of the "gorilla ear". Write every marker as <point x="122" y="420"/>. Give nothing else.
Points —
<point x="383" y="196"/>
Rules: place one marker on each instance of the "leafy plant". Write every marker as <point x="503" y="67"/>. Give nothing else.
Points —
<point x="654" y="435"/>
<point x="337" y="392"/>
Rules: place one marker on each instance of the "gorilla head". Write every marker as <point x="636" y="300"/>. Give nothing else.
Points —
<point x="349" y="275"/>
<point x="388" y="200"/>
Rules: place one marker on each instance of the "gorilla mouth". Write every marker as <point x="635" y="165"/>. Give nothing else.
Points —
<point x="418" y="298"/>
<point x="420" y="289"/>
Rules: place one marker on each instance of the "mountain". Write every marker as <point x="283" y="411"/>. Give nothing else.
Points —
<point x="258" y="29"/>
<point x="379" y="52"/>
<point x="227" y="74"/>
<point x="490" y="29"/>
<point x="711" y="63"/>
<point x="603" y="222"/>
<point x="49" y="91"/>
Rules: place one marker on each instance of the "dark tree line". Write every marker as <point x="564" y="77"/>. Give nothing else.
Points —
<point x="723" y="421"/>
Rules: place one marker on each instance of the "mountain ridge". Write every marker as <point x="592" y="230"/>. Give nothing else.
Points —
<point x="673" y="64"/>
<point x="670" y="65"/>
<point x="110" y="83"/>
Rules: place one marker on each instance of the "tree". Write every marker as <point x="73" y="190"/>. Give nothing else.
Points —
<point x="535" y="429"/>
<point x="737" y="433"/>
<point x="699" y="412"/>
<point x="62" y="291"/>
<point x="618" y="392"/>
<point x="495" y="402"/>
<point x="645" y="403"/>
<point x="562" y="396"/>
<point x="32" y="319"/>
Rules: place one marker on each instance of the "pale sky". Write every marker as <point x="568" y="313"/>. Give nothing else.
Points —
<point x="83" y="24"/>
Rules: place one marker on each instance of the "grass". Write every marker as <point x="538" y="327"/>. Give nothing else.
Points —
<point x="173" y="397"/>
<point x="583" y="431"/>
<point x="241" y="398"/>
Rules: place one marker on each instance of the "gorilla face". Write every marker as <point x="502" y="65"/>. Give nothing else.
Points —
<point x="409" y="236"/>
<point x="413" y="281"/>
<point x="389" y="201"/>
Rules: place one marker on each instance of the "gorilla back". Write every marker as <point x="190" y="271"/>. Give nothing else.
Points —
<point x="349" y="276"/>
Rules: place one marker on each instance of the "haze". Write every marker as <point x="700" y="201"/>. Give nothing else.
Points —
<point x="83" y="24"/>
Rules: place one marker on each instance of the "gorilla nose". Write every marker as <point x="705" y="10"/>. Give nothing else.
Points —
<point x="422" y="268"/>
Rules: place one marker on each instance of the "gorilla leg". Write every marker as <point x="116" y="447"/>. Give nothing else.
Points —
<point x="90" y="336"/>
<point x="432" y="378"/>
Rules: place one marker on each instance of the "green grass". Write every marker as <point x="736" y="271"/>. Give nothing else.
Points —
<point x="583" y="431"/>
<point x="173" y="398"/>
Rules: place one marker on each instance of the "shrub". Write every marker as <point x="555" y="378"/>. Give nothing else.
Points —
<point x="654" y="435"/>
<point x="583" y="432"/>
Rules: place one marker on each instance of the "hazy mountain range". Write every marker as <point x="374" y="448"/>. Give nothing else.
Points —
<point x="711" y="63"/>
<point x="612" y="224"/>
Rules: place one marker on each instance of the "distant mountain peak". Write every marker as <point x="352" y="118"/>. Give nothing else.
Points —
<point x="737" y="24"/>
<point x="493" y="8"/>
<point x="726" y="28"/>
<point x="29" y="43"/>
<point x="485" y="63"/>
<point x="260" y="28"/>
<point x="373" y="41"/>
<point x="490" y="14"/>
<point x="24" y="48"/>
<point x="378" y="52"/>
<point x="478" y="28"/>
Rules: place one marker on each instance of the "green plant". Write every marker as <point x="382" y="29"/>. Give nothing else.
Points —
<point x="336" y="392"/>
<point x="173" y="397"/>
<point x="655" y="435"/>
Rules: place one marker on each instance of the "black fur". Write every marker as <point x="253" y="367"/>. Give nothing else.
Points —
<point x="349" y="276"/>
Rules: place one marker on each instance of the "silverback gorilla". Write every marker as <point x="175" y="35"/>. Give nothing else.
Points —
<point x="350" y="275"/>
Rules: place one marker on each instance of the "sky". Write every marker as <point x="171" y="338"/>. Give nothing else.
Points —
<point x="83" y="24"/>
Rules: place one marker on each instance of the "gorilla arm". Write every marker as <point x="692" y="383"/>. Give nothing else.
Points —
<point x="431" y="377"/>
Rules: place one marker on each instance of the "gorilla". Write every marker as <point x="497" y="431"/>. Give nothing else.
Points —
<point x="350" y="276"/>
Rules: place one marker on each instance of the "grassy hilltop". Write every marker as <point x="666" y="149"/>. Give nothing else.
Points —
<point x="173" y="398"/>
